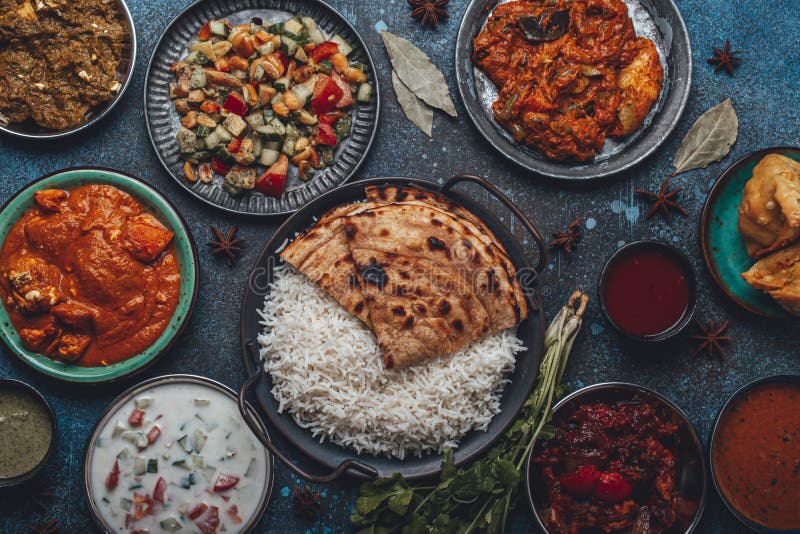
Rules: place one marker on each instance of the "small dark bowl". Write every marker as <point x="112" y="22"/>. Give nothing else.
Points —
<point x="783" y="379"/>
<point x="691" y="480"/>
<point x="682" y="259"/>
<point x="10" y="384"/>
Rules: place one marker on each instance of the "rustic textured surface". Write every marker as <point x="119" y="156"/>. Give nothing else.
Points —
<point x="764" y="92"/>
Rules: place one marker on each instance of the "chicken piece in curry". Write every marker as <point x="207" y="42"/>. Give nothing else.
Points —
<point x="88" y="276"/>
<point x="569" y="73"/>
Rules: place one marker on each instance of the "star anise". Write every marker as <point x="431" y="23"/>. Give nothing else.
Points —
<point x="44" y="527"/>
<point x="429" y="12"/>
<point x="228" y="244"/>
<point x="726" y="58"/>
<point x="306" y="503"/>
<point x="567" y="240"/>
<point x="663" y="200"/>
<point x="711" y="339"/>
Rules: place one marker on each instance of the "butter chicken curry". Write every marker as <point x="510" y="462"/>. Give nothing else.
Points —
<point x="569" y="73"/>
<point x="88" y="276"/>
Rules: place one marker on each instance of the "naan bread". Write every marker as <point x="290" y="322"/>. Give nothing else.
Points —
<point x="426" y="275"/>
<point x="779" y="275"/>
<point x="769" y="216"/>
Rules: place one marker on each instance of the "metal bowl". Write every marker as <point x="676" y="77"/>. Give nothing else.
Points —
<point x="659" y="20"/>
<point x="151" y="383"/>
<point x="692" y="480"/>
<point x="794" y="379"/>
<point x="9" y="383"/>
<point x="30" y="130"/>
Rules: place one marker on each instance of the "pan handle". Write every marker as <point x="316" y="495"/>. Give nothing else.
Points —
<point x="537" y="236"/>
<point x="256" y="424"/>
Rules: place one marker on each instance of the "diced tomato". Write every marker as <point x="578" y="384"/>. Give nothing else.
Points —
<point x="208" y="523"/>
<point x="611" y="487"/>
<point x="282" y="58"/>
<point x="330" y="118"/>
<point x="327" y="94"/>
<point x="325" y="134"/>
<point x="153" y="435"/>
<point x="140" y="531"/>
<point x="324" y="51"/>
<point x="205" y="32"/>
<point x="219" y="167"/>
<point x="158" y="491"/>
<point x="209" y="106"/>
<point x="142" y="505"/>
<point x="198" y="510"/>
<point x="581" y="482"/>
<point x="347" y="92"/>
<point x="234" y="145"/>
<point x="233" y="513"/>
<point x="128" y="520"/>
<point x="136" y="417"/>
<point x="314" y="158"/>
<point x="113" y="477"/>
<point x="235" y="104"/>
<point x="225" y="482"/>
<point x="272" y="182"/>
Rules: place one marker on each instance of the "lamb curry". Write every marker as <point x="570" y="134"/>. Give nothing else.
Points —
<point x="568" y="73"/>
<point x="88" y="276"/>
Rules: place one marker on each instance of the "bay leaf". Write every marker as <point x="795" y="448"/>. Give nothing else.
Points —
<point x="416" y="70"/>
<point x="418" y="112"/>
<point x="709" y="140"/>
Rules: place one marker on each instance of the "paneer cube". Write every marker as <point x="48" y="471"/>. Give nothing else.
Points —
<point x="235" y="125"/>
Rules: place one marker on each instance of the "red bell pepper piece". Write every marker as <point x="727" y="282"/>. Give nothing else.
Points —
<point x="273" y="180"/>
<point x="209" y="106"/>
<point x="330" y="118"/>
<point x="135" y="419"/>
<point x="347" y="92"/>
<point x="219" y="167"/>
<point x="324" y="51"/>
<point x="282" y="58"/>
<point x="581" y="482"/>
<point x="153" y="435"/>
<point x="611" y="487"/>
<point x="158" y="491"/>
<point x="198" y="510"/>
<point x="208" y="523"/>
<point x="233" y="513"/>
<point x="235" y="104"/>
<point x="234" y="145"/>
<point x="225" y="482"/>
<point x="325" y="134"/>
<point x="113" y="476"/>
<point x="205" y="32"/>
<point x="327" y="94"/>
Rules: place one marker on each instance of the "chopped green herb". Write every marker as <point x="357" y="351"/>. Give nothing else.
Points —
<point x="152" y="465"/>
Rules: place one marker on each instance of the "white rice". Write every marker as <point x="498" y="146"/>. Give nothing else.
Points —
<point x="328" y="373"/>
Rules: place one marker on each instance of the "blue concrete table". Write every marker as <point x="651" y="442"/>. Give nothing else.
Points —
<point x="764" y="92"/>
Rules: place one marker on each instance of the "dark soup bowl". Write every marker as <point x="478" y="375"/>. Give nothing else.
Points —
<point x="601" y="463"/>
<point x="648" y="291"/>
<point x="27" y="432"/>
<point x="755" y="454"/>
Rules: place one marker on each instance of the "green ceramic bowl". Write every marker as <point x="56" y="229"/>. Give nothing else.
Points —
<point x="723" y="248"/>
<point x="187" y="258"/>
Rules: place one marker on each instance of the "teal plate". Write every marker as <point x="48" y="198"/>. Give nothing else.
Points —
<point x="187" y="259"/>
<point x="723" y="248"/>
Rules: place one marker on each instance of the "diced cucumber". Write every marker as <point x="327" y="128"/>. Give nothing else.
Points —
<point x="200" y="439"/>
<point x="171" y="524"/>
<point x="196" y="57"/>
<point x="364" y="93"/>
<point x="288" y="146"/>
<point x="269" y="156"/>
<point x="212" y="140"/>
<point x="303" y="93"/>
<point x="271" y="133"/>
<point x="119" y="428"/>
<point x="257" y="144"/>
<point x="152" y="465"/>
<point x="293" y="26"/>
<point x="126" y="504"/>
<point x="139" y="465"/>
<point x="272" y="145"/>
<point x="344" y="46"/>
<point x="301" y="55"/>
<point x="282" y="84"/>
<point x="276" y="29"/>
<point x="255" y="119"/>
<point x="314" y="32"/>
<point x="266" y="48"/>
<point x="288" y="45"/>
<point x="223" y="134"/>
<point x="143" y="403"/>
<point x="268" y="115"/>
<point x="218" y="27"/>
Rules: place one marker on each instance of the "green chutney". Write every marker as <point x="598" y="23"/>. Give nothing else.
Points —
<point x="25" y="432"/>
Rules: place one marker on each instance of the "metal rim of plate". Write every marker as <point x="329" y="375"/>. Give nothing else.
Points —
<point x="127" y="62"/>
<point x="338" y="460"/>
<point x="124" y="397"/>
<point x="660" y="123"/>
<point x="162" y="119"/>
<point x="707" y="223"/>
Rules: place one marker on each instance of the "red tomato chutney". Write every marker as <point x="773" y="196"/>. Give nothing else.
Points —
<point x="756" y="455"/>
<point x="646" y="292"/>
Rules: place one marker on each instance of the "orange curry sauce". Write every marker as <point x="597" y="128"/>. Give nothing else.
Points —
<point x="89" y="277"/>
<point x="563" y="94"/>
<point x="757" y="455"/>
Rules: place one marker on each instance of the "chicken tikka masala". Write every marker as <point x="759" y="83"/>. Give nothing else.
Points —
<point x="568" y="73"/>
<point x="88" y="276"/>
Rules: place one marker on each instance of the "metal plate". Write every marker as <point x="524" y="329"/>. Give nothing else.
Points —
<point x="522" y="380"/>
<point x="658" y="20"/>
<point x="163" y="121"/>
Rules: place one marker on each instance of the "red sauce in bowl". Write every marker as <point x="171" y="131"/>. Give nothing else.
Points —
<point x="756" y="455"/>
<point x="646" y="292"/>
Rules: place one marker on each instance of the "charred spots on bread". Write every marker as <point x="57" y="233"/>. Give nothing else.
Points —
<point x="458" y="324"/>
<point x="399" y="311"/>
<point x="436" y="244"/>
<point x="373" y="274"/>
<point x="409" y="321"/>
<point x="436" y="222"/>
<point x="444" y="306"/>
<point x="359" y="307"/>
<point x="422" y="309"/>
<point x="384" y="232"/>
<point x="350" y="230"/>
